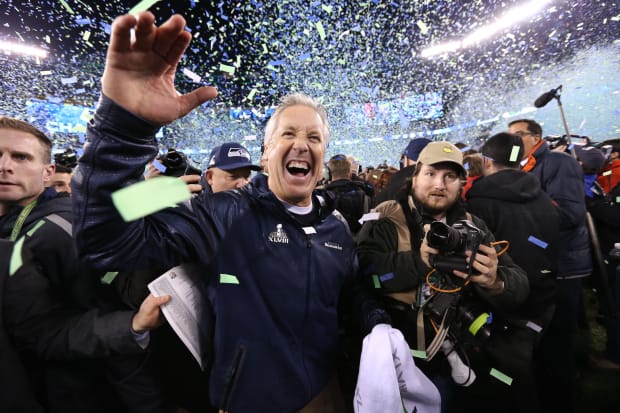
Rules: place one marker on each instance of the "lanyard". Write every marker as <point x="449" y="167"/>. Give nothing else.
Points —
<point x="19" y="223"/>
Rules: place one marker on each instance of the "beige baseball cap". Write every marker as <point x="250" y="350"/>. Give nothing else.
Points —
<point x="436" y="152"/>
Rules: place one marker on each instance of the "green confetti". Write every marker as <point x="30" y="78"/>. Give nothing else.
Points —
<point x="514" y="154"/>
<point x="227" y="68"/>
<point x="375" y="281"/>
<point x="147" y="197"/>
<point x="328" y="9"/>
<point x="66" y="6"/>
<point x="421" y="354"/>
<point x="108" y="277"/>
<point x="251" y="94"/>
<point x="422" y="26"/>
<point x="501" y="376"/>
<point x="321" y="30"/>
<point x="16" y="257"/>
<point x="144" y="5"/>
<point x="228" y="279"/>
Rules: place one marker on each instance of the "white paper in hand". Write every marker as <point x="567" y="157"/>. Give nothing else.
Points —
<point x="188" y="310"/>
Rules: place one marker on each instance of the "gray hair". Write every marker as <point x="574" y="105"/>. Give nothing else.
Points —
<point x="294" y="100"/>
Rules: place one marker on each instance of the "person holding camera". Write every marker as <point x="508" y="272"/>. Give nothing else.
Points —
<point x="394" y="251"/>
<point x="278" y="264"/>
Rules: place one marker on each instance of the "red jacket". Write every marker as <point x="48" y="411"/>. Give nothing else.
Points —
<point x="610" y="176"/>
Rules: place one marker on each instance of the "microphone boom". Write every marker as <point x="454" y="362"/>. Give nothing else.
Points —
<point x="547" y="97"/>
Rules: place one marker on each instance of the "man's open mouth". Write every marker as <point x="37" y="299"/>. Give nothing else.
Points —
<point x="298" y="168"/>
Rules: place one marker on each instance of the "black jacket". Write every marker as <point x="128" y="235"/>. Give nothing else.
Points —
<point x="516" y="209"/>
<point x="352" y="200"/>
<point x="17" y="394"/>
<point x="59" y="368"/>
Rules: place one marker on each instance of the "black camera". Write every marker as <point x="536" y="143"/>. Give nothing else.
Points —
<point x="452" y="242"/>
<point x="67" y="158"/>
<point x="177" y="164"/>
<point x="463" y="316"/>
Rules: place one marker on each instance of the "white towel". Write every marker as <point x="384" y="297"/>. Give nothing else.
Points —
<point x="389" y="381"/>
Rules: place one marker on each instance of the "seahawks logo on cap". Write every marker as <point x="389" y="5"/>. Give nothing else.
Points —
<point x="233" y="152"/>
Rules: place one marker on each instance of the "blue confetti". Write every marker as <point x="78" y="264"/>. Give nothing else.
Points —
<point x="537" y="242"/>
<point x="386" y="277"/>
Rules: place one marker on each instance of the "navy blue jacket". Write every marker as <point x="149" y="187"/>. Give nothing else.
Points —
<point x="282" y="312"/>
<point x="561" y="177"/>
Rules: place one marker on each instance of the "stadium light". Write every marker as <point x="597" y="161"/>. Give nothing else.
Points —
<point x="9" y="48"/>
<point x="512" y="17"/>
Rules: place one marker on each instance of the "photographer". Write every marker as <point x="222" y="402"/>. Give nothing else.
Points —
<point x="395" y="249"/>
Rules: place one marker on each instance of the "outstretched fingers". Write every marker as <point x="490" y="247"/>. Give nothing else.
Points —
<point x="120" y="40"/>
<point x="172" y="40"/>
<point x="145" y="32"/>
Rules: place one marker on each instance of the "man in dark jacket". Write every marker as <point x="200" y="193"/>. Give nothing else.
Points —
<point x="352" y="197"/>
<point x="41" y="219"/>
<point x="516" y="209"/>
<point x="34" y="319"/>
<point x="561" y="177"/>
<point x="394" y="251"/>
<point x="275" y="262"/>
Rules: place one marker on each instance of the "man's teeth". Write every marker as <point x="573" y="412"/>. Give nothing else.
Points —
<point x="298" y="165"/>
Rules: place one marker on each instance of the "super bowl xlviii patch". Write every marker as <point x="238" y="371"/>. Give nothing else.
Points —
<point x="278" y="236"/>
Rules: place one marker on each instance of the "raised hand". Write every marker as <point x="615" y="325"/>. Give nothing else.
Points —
<point x="141" y="64"/>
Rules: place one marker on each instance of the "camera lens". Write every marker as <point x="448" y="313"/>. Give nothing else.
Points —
<point x="443" y="237"/>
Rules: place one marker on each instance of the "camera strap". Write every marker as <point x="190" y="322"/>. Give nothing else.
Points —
<point x="439" y="338"/>
<point x="420" y="336"/>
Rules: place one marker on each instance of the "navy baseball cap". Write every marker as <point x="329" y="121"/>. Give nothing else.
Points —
<point x="230" y="156"/>
<point x="412" y="151"/>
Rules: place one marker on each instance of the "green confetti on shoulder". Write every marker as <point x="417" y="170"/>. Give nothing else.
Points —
<point x="375" y="281"/>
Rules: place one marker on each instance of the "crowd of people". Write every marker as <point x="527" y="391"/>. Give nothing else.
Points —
<point x="452" y="284"/>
